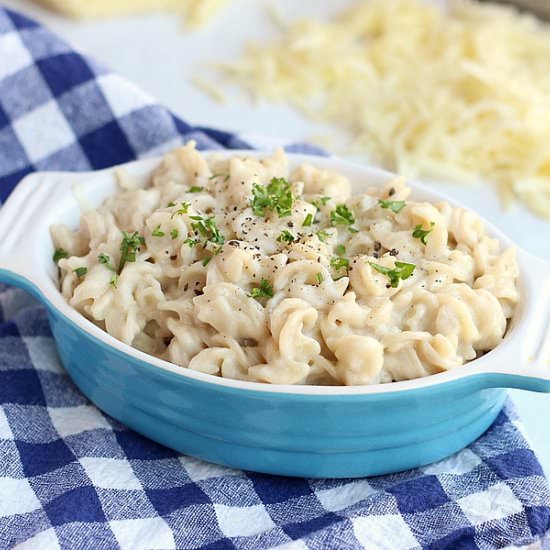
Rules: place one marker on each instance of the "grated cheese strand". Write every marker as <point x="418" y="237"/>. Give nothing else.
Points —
<point x="461" y="94"/>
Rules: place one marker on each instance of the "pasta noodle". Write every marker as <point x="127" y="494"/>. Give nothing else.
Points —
<point x="242" y="268"/>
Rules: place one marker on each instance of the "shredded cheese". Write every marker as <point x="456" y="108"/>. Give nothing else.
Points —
<point x="461" y="94"/>
<point x="195" y="12"/>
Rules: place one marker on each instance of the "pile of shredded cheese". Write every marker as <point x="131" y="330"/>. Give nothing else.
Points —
<point x="195" y="12"/>
<point x="461" y="94"/>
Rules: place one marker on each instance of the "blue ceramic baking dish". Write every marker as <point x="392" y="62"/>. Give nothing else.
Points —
<point x="310" y="431"/>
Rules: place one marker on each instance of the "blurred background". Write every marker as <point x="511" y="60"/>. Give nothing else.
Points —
<point x="174" y="55"/>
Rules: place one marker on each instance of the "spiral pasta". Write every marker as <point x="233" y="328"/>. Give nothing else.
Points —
<point x="243" y="269"/>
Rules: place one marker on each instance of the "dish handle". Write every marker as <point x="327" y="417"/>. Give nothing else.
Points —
<point x="523" y="360"/>
<point x="21" y="246"/>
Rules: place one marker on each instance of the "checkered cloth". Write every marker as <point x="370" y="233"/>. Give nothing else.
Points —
<point x="71" y="477"/>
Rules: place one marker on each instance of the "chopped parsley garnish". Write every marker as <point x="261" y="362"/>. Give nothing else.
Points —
<point x="422" y="234"/>
<point x="323" y="236"/>
<point x="174" y="234"/>
<point x="265" y="290"/>
<point x="276" y="196"/>
<point x="394" y="206"/>
<point x="81" y="271"/>
<point x="401" y="271"/>
<point x="129" y="247"/>
<point x="59" y="254"/>
<point x="114" y="280"/>
<point x="319" y="277"/>
<point x="170" y="204"/>
<point x="206" y="261"/>
<point x="191" y="242"/>
<point x="339" y="263"/>
<point x="183" y="209"/>
<point x="342" y="215"/>
<point x="286" y="236"/>
<point x="320" y="201"/>
<point x="195" y="189"/>
<point x="105" y="259"/>
<point x="219" y="176"/>
<point x="308" y="220"/>
<point x="157" y="232"/>
<point x="340" y="249"/>
<point x="208" y="229"/>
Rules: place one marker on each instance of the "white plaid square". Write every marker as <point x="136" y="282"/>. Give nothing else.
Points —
<point x="387" y="531"/>
<point x="110" y="473"/>
<point x="292" y="545"/>
<point x="198" y="470"/>
<point x="341" y="497"/>
<point x="17" y="497"/>
<point x="15" y="56"/>
<point x="43" y="354"/>
<point x="43" y="131"/>
<point x="245" y="521"/>
<point x="74" y="420"/>
<point x="497" y="502"/>
<point x="460" y="463"/>
<point x="143" y="534"/>
<point x="122" y="103"/>
<point x="5" y="430"/>
<point x="45" y="539"/>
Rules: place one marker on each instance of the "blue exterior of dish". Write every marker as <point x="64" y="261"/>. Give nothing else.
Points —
<point x="281" y="433"/>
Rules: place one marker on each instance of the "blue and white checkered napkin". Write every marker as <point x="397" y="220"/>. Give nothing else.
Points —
<point x="71" y="477"/>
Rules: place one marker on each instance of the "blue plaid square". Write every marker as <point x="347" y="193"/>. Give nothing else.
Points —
<point x="106" y="146"/>
<point x="418" y="495"/>
<point x="80" y="504"/>
<point x="12" y="155"/>
<point x="64" y="72"/>
<point x="40" y="458"/>
<point x="83" y="97"/>
<point x="58" y="160"/>
<point x="36" y="93"/>
<point x="20" y="386"/>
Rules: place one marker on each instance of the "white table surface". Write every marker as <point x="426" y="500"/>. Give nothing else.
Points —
<point x="160" y="56"/>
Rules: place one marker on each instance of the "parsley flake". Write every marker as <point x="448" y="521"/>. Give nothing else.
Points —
<point x="339" y="263"/>
<point x="174" y="234"/>
<point x="105" y="259"/>
<point x="170" y="204"/>
<point x="195" y="189"/>
<point x="323" y="236"/>
<point x="340" y="249"/>
<point x="191" y="242"/>
<point x="394" y="206"/>
<point x="183" y="209"/>
<point x="422" y="234"/>
<point x="208" y="229"/>
<point x="342" y="215"/>
<point x="129" y="247"/>
<point x="157" y="232"/>
<point x="308" y="220"/>
<point x="265" y="290"/>
<point x="59" y="254"/>
<point x="213" y="176"/>
<point x="320" y="202"/>
<point x="401" y="271"/>
<point x="286" y="236"/>
<point x="81" y="271"/>
<point x="114" y="280"/>
<point x="276" y="196"/>
<point x="319" y="277"/>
